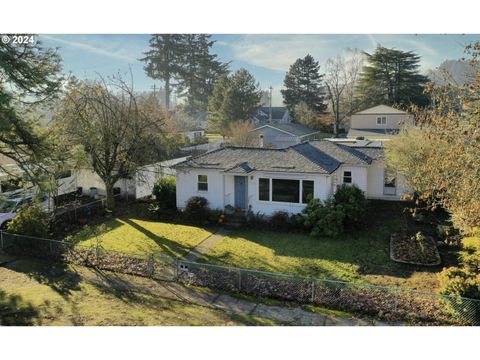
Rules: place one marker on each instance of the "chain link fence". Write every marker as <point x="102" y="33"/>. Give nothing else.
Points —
<point x="387" y="303"/>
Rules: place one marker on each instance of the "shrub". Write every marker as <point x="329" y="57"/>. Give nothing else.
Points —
<point x="346" y="209"/>
<point x="165" y="192"/>
<point x="215" y="215"/>
<point x="460" y="282"/>
<point x="280" y="220"/>
<point x="256" y="220"/>
<point x="197" y="210"/>
<point x="30" y="220"/>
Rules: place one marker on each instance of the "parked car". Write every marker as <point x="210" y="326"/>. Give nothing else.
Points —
<point x="9" y="207"/>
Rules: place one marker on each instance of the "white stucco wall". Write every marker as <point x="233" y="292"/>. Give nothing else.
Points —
<point x="376" y="177"/>
<point x="359" y="176"/>
<point x="87" y="178"/>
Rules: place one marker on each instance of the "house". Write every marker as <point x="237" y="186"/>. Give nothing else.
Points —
<point x="194" y="134"/>
<point x="284" y="135"/>
<point x="268" y="180"/>
<point x="380" y="122"/>
<point x="280" y="115"/>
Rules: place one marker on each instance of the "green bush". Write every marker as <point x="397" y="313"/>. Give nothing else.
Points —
<point x="165" y="192"/>
<point x="257" y="220"/>
<point x="346" y="209"/>
<point x="30" y="220"/>
<point x="460" y="282"/>
<point x="197" y="210"/>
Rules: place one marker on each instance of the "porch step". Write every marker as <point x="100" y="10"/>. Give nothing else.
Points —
<point x="236" y="220"/>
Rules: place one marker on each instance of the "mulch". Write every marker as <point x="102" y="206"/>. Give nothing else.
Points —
<point x="407" y="249"/>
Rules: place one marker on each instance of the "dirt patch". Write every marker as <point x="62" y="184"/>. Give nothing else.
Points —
<point x="415" y="249"/>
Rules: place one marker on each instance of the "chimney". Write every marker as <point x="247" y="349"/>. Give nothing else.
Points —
<point x="261" y="140"/>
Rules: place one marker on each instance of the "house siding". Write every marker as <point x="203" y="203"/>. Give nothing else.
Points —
<point x="369" y="121"/>
<point x="187" y="187"/>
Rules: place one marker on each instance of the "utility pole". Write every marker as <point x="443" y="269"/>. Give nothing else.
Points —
<point x="154" y="87"/>
<point x="270" y="105"/>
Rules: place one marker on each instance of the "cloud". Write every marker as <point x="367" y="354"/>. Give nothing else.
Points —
<point x="277" y="52"/>
<point x="102" y="50"/>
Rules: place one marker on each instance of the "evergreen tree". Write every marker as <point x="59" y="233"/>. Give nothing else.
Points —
<point x="29" y="78"/>
<point x="199" y="72"/>
<point x="235" y="97"/>
<point x="392" y="77"/>
<point x="303" y="83"/>
<point x="164" y="60"/>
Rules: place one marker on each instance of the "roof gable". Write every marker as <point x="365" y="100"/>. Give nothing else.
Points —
<point x="381" y="110"/>
<point x="291" y="129"/>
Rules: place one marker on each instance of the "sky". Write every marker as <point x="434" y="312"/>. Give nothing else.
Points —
<point x="267" y="57"/>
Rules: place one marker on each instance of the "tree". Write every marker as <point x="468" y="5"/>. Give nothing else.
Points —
<point x="341" y="76"/>
<point x="116" y="129"/>
<point x="303" y="82"/>
<point x="163" y="60"/>
<point x="440" y="158"/>
<point x="199" y="72"/>
<point x="241" y="134"/>
<point x="235" y="97"/>
<point x="392" y="77"/>
<point x="29" y="79"/>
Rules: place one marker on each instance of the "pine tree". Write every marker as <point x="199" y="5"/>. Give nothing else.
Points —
<point x="303" y="83"/>
<point x="163" y="60"/>
<point x="392" y="77"/>
<point x="199" y="72"/>
<point x="236" y="97"/>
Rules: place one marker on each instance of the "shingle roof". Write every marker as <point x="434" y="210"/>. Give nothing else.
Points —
<point x="278" y="112"/>
<point x="322" y="157"/>
<point x="372" y="152"/>
<point x="380" y="109"/>
<point x="293" y="128"/>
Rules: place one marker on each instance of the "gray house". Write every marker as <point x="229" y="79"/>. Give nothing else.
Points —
<point x="279" y="115"/>
<point x="280" y="136"/>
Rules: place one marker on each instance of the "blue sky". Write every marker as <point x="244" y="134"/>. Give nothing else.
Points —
<point x="267" y="57"/>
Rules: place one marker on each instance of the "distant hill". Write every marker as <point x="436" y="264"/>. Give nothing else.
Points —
<point x="457" y="71"/>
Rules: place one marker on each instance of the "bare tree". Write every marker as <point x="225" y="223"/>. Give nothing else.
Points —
<point x="241" y="134"/>
<point x="118" y="130"/>
<point x="340" y="79"/>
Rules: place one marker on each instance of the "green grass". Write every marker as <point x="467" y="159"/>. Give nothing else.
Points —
<point x="34" y="292"/>
<point x="214" y="137"/>
<point x="141" y="236"/>
<point x="360" y="256"/>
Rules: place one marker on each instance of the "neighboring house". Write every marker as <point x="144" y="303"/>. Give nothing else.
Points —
<point x="279" y="115"/>
<point x="268" y="180"/>
<point x="280" y="136"/>
<point x="140" y="186"/>
<point x="378" y="123"/>
<point x="193" y="134"/>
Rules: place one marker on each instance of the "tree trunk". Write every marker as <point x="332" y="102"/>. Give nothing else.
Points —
<point x="110" y="198"/>
<point x="167" y="93"/>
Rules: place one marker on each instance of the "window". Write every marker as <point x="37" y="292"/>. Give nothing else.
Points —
<point x="347" y="177"/>
<point x="307" y="191"/>
<point x="202" y="184"/>
<point x="286" y="190"/>
<point x="197" y="134"/>
<point x="389" y="184"/>
<point x="264" y="189"/>
<point x="381" y="120"/>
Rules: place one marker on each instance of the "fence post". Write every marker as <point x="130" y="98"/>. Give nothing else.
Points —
<point x="175" y="270"/>
<point x="239" y="280"/>
<point x="395" y="300"/>
<point x="50" y="246"/>
<point x="150" y="265"/>
<point x="1" y="239"/>
<point x="313" y="291"/>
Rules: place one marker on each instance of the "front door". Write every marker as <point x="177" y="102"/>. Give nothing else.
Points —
<point x="241" y="192"/>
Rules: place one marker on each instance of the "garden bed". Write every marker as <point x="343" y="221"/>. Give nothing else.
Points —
<point x="414" y="249"/>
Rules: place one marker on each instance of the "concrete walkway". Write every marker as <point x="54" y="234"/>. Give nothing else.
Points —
<point x="207" y="244"/>
<point x="169" y="290"/>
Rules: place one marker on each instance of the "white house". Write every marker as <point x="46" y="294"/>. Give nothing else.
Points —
<point x="268" y="180"/>
<point x="274" y="115"/>
<point x="280" y="136"/>
<point x="380" y="122"/>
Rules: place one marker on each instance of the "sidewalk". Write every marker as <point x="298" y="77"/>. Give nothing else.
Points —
<point x="178" y="292"/>
<point x="207" y="244"/>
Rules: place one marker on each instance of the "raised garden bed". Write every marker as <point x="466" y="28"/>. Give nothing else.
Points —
<point x="416" y="249"/>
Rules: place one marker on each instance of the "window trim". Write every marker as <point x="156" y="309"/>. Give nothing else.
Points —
<point x="202" y="182"/>
<point x="345" y="176"/>
<point x="270" y="184"/>
<point x="382" y="122"/>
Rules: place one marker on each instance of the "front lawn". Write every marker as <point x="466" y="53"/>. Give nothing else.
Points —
<point x="36" y="292"/>
<point x="127" y="234"/>
<point x="359" y="256"/>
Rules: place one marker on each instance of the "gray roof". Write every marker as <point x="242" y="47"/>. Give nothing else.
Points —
<point x="372" y="152"/>
<point x="293" y="128"/>
<point x="322" y="157"/>
<point x="372" y="133"/>
<point x="278" y="112"/>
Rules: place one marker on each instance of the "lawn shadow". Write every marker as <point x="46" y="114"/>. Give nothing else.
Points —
<point x="90" y="231"/>
<point x="168" y="247"/>
<point x="14" y="311"/>
<point x="60" y="277"/>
